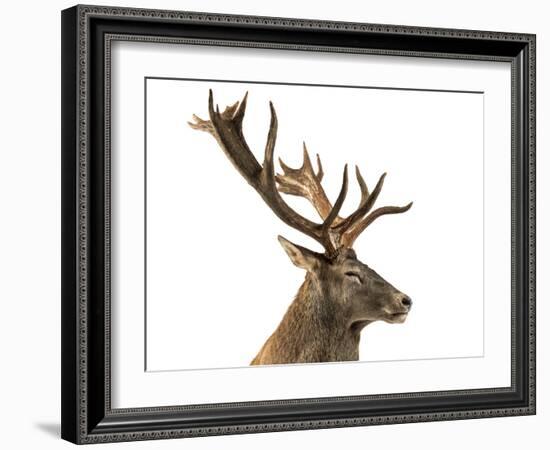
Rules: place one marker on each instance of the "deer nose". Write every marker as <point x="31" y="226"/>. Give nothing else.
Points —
<point x="406" y="301"/>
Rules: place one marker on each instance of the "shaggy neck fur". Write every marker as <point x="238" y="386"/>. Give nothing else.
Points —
<point x="312" y="330"/>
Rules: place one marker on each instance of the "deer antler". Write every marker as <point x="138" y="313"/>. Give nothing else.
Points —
<point x="305" y="183"/>
<point x="335" y="231"/>
<point x="226" y="128"/>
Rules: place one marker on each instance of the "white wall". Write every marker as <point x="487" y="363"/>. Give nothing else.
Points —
<point x="30" y="222"/>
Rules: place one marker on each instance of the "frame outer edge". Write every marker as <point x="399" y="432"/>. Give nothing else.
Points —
<point x="299" y="23"/>
<point x="69" y="289"/>
<point x="75" y="209"/>
<point x="83" y="240"/>
<point x="532" y="143"/>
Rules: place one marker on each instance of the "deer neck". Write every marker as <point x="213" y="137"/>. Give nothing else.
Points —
<point x="314" y="329"/>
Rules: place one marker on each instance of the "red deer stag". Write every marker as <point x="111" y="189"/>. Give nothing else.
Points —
<point x="340" y="294"/>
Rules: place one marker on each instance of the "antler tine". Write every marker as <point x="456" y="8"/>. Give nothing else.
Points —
<point x="268" y="172"/>
<point x="320" y="173"/>
<point x="226" y="128"/>
<point x="362" y="186"/>
<point x="339" y="201"/>
<point x="334" y="239"/>
<point x="349" y="238"/>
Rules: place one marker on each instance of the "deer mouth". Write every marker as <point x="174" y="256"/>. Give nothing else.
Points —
<point x="398" y="317"/>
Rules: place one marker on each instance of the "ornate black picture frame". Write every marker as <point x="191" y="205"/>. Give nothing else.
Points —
<point x="87" y="415"/>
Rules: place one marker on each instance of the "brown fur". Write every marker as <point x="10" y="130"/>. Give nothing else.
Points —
<point x="312" y="330"/>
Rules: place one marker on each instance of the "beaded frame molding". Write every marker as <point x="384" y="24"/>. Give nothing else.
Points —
<point x="87" y="34"/>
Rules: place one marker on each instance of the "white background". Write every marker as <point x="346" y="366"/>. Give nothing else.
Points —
<point x="219" y="284"/>
<point x="30" y="226"/>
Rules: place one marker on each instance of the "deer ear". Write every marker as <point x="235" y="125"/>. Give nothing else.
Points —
<point x="300" y="256"/>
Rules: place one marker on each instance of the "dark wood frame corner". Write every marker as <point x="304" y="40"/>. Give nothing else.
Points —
<point x="87" y="416"/>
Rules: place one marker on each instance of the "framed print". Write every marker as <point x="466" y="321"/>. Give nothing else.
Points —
<point x="281" y="224"/>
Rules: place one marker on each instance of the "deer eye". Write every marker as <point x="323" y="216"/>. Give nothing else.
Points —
<point x="355" y="276"/>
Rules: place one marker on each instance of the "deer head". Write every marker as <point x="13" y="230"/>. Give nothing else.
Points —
<point x="354" y="293"/>
<point x="365" y="294"/>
